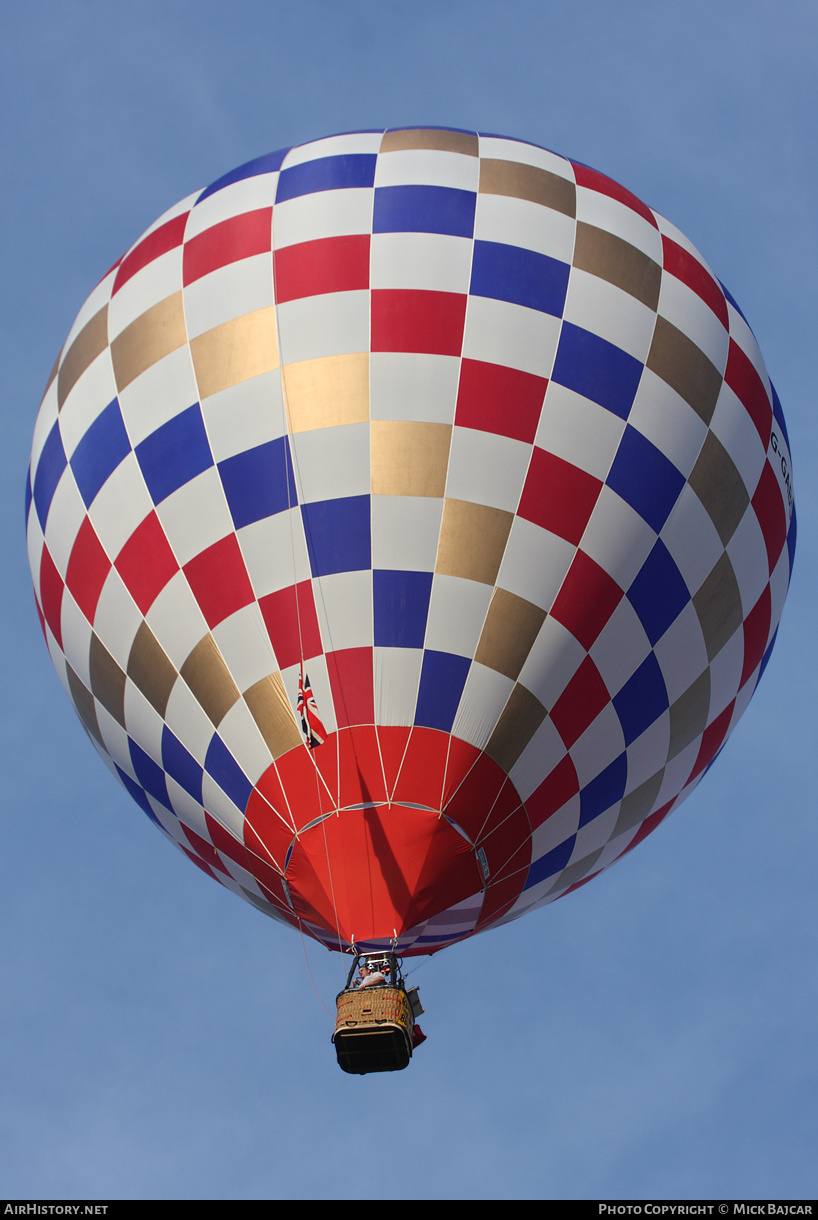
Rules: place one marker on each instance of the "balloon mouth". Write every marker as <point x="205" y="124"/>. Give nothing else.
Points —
<point x="381" y="832"/>
<point x="374" y="872"/>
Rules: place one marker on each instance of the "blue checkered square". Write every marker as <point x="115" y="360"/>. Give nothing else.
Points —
<point x="424" y="209"/>
<point x="401" y="607"/>
<point x="522" y="277"/>
<point x="259" y="482"/>
<point x="338" y="535"/>
<point x="100" y="451"/>
<point x="597" y="369"/>
<point x="175" y="453"/>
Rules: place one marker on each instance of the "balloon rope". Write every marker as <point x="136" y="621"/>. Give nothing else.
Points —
<point x="290" y="452"/>
<point x="309" y="971"/>
<point x="289" y="447"/>
<point x="331" y="883"/>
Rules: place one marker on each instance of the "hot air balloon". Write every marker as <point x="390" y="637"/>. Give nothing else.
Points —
<point x="410" y="517"/>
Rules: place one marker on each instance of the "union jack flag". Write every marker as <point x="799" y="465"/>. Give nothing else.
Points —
<point x="311" y="726"/>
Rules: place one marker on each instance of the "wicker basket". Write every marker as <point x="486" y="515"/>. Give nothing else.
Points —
<point x="373" y="1031"/>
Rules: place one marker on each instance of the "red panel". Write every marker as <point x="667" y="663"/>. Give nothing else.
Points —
<point x="355" y="751"/>
<point x="559" y="786"/>
<point x="650" y="823"/>
<point x="294" y="791"/>
<point x="586" y="600"/>
<point x="325" y="791"/>
<point x="584" y="881"/>
<point x="146" y="563"/>
<point x="204" y="850"/>
<point x="393" y="739"/>
<point x="508" y="846"/>
<point x="507" y="808"/>
<point x="743" y="379"/>
<point x="278" y="901"/>
<point x="191" y="855"/>
<point x="273" y="787"/>
<point x="712" y="740"/>
<point x="292" y="624"/>
<point x="498" y="900"/>
<point x="266" y="837"/>
<point x="462" y="758"/>
<point x="682" y="264"/>
<point x="756" y="634"/>
<point x="488" y="807"/>
<point x="350" y="675"/>
<point x="88" y="568"/>
<point x="504" y="891"/>
<point x="225" y="843"/>
<point x="330" y="264"/>
<point x="51" y="590"/>
<point x="606" y="186"/>
<point x="424" y="767"/>
<point x="558" y="496"/>
<point x="472" y="805"/>
<point x="359" y="766"/>
<point x="228" y="242"/>
<point x="385" y="867"/>
<point x="167" y="237"/>
<point x="285" y="776"/>
<point x="219" y="580"/>
<point x="580" y="703"/>
<point x="269" y="880"/>
<point x="412" y="320"/>
<point x="497" y="399"/>
<point x="372" y="872"/>
<point x="772" y="517"/>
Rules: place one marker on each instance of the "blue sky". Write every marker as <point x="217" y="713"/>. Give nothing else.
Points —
<point x="653" y="1034"/>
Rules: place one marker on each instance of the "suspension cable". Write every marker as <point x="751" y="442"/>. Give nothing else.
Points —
<point x="292" y="464"/>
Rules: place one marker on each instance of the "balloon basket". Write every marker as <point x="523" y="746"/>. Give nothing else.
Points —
<point x="373" y="1030"/>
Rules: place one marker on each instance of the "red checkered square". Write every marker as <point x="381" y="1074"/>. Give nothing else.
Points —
<point x="350" y="675"/>
<point x="595" y="181"/>
<point x="712" y="740"/>
<point x="191" y="855"/>
<point x="681" y="263"/>
<point x="578" y="884"/>
<point x="772" y="517"/>
<point x="330" y="264"/>
<point x="580" y="703"/>
<point x="204" y="850"/>
<point x="292" y="624"/>
<point x="756" y="634"/>
<point x="415" y="320"/>
<point x="557" y="788"/>
<point x="146" y="562"/>
<point x="51" y="591"/>
<point x="219" y="580"/>
<point x="167" y="237"/>
<point x="558" y="496"/>
<point x="498" y="399"/>
<point x="226" y="843"/>
<point x="743" y="379"/>
<point x="233" y="239"/>
<point x="648" y="826"/>
<point x="88" y="568"/>
<point x="586" y="600"/>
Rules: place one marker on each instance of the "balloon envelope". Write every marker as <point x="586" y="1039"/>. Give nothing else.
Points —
<point x="448" y="451"/>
